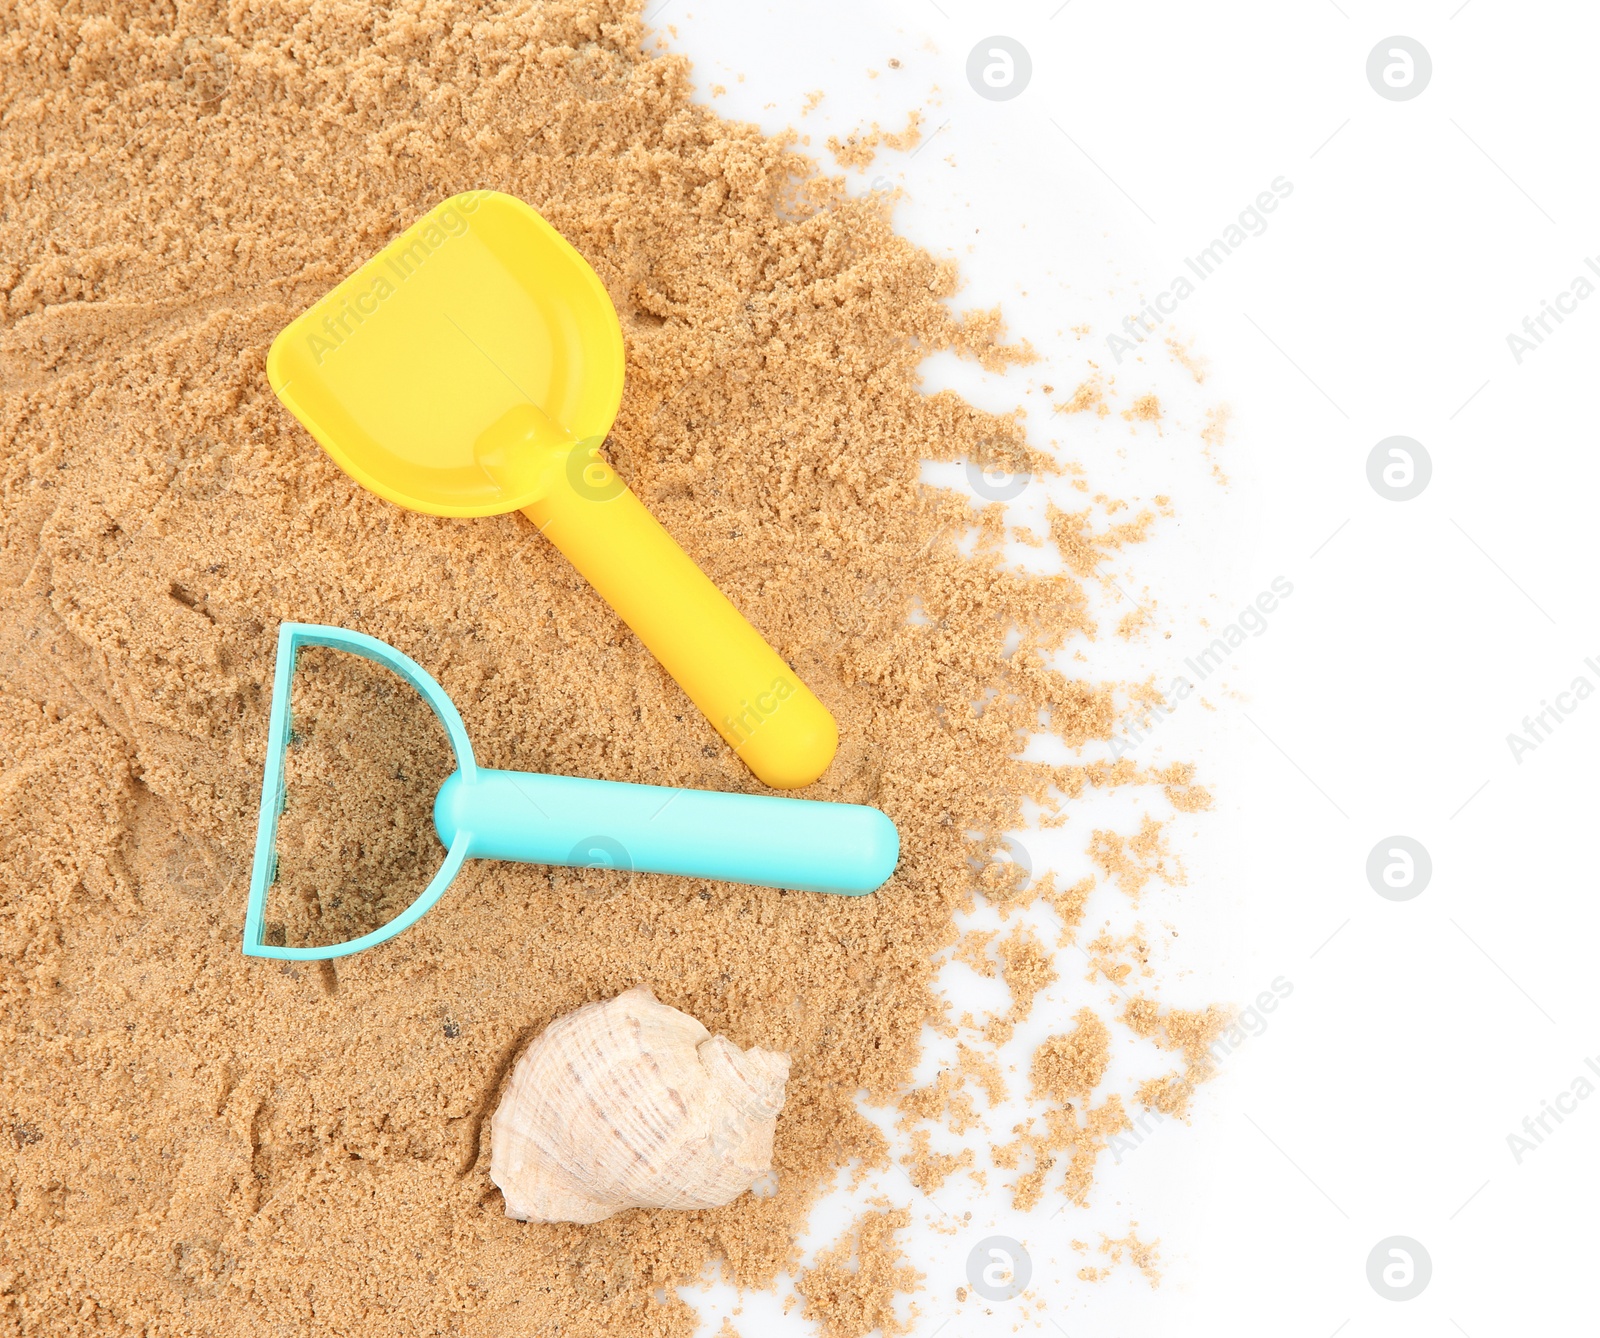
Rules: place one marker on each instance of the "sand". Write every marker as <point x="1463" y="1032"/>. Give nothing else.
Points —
<point x="193" y="1142"/>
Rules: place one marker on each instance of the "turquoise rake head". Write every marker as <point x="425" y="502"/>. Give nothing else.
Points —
<point x="569" y="820"/>
<point x="264" y="870"/>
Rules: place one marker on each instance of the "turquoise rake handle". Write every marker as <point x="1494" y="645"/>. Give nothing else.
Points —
<point x="735" y="838"/>
<point x="514" y="815"/>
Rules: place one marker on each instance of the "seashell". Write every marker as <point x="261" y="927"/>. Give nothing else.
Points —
<point x="632" y="1104"/>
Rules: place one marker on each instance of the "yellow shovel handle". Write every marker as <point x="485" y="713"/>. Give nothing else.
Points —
<point x="750" y="696"/>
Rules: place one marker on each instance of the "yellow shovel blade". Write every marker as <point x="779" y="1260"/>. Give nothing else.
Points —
<point x="435" y="373"/>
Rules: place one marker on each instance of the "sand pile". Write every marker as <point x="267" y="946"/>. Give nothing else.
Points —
<point x="196" y="1143"/>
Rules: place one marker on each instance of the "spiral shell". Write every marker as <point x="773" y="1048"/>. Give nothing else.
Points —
<point x="632" y="1104"/>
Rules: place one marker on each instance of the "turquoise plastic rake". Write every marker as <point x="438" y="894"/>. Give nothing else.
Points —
<point x="482" y="813"/>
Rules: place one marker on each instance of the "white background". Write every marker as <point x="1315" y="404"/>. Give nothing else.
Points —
<point x="1418" y="235"/>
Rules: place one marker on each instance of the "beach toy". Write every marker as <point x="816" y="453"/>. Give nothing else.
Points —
<point x="473" y="367"/>
<point x="799" y="844"/>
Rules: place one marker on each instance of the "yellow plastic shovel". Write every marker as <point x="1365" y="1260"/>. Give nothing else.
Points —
<point x="473" y="367"/>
